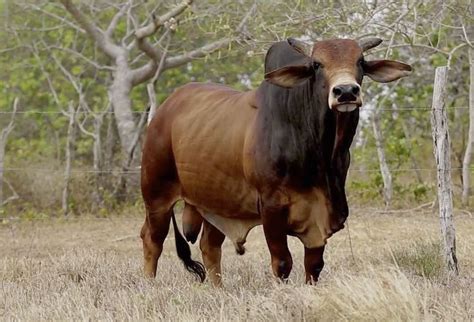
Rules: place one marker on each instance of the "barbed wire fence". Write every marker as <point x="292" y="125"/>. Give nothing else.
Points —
<point x="79" y="171"/>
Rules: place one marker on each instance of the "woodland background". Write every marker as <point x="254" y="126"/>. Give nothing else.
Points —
<point x="78" y="77"/>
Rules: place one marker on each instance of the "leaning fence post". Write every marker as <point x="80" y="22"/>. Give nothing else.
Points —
<point x="442" y="148"/>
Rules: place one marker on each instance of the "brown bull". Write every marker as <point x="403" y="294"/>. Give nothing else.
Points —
<point x="276" y="156"/>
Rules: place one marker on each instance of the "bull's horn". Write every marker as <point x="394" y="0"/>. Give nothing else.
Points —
<point x="369" y="43"/>
<point x="300" y="46"/>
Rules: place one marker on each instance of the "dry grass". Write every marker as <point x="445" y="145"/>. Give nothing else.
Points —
<point x="91" y="269"/>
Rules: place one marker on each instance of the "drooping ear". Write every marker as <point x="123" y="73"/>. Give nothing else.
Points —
<point x="384" y="71"/>
<point x="290" y="76"/>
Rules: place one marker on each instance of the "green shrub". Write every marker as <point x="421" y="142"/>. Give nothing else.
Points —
<point x="422" y="258"/>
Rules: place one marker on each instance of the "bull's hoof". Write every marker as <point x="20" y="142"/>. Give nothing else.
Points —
<point x="239" y="247"/>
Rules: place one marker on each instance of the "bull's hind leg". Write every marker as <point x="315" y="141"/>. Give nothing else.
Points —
<point x="153" y="240"/>
<point x="154" y="231"/>
<point x="211" y="243"/>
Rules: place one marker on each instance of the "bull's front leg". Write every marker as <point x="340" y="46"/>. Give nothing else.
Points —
<point x="313" y="263"/>
<point x="275" y="227"/>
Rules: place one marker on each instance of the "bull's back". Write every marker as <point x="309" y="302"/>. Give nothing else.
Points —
<point x="209" y="125"/>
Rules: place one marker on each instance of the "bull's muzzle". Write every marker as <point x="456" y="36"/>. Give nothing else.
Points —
<point x="345" y="97"/>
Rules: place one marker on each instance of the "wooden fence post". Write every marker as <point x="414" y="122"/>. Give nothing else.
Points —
<point x="466" y="164"/>
<point x="442" y="153"/>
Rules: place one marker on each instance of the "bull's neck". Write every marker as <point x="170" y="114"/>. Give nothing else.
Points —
<point x="292" y="132"/>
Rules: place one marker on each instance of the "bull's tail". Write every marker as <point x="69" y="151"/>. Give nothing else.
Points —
<point x="184" y="253"/>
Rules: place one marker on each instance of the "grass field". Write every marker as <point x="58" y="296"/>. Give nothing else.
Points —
<point x="88" y="268"/>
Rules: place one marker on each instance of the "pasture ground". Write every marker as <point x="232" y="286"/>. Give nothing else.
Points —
<point x="90" y="268"/>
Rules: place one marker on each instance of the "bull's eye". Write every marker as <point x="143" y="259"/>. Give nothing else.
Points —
<point x="361" y="62"/>
<point x="316" y="65"/>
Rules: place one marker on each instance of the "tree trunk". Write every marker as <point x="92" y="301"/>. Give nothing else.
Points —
<point x="470" y="141"/>
<point x="122" y="105"/>
<point x="110" y="142"/>
<point x="97" y="160"/>
<point x="3" y="142"/>
<point x="442" y="153"/>
<point x="71" y="136"/>
<point x="384" y="169"/>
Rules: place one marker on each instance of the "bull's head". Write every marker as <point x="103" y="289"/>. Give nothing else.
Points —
<point x="339" y="64"/>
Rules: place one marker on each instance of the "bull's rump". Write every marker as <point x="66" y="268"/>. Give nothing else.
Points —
<point x="208" y="136"/>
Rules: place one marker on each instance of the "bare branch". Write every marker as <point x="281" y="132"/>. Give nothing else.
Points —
<point x="466" y="37"/>
<point x="14" y="194"/>
<point x="144" y="73"/>
<point x="115" y="20"/>
<point x="76" y="84"/>
<point x="89" y="26"/>
<point x="413" y="46"/>
<point x="241" y="26"/>
<point x="153" y="26"/>
<point x="81" y="56"/>
<point x="452" y="52"/>
<point x="6" y="131"/>
<point x="205" y="50"/>
<point x="81" y="125"/>
<point x="151" y="51"/>
<point x="46" y="74"/>
<point x="104" y="42"/>
<point x="62" y="19"/>
<point x="151" y="85"/>
<point x="6" y="50"/>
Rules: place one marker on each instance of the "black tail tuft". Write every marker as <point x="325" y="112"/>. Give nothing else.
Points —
<point x="184" y="253"/>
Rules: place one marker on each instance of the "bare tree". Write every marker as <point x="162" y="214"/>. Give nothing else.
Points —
<point x="86" y="112"/>
<point x="125" y="78"/>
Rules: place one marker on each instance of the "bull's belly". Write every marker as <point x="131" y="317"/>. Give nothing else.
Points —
<point x="213" y="191"/>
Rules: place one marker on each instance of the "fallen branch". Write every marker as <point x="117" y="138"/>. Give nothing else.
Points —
<point x="398" y="211"/>
<point x="14" y="195"/>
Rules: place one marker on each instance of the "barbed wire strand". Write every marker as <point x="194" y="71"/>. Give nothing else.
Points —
<point x="137" y="171"/>
<point x="396" y="109"/>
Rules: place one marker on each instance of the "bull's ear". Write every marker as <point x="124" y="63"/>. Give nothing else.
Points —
<point x="290" y="76"/>
<point x="384" y="71"/>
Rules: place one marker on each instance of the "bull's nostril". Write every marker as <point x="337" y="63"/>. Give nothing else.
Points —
<point x="337" y="91"/>
<point x="355" y="90"/>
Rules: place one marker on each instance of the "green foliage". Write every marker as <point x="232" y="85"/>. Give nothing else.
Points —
<point x="420" y="191"/>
